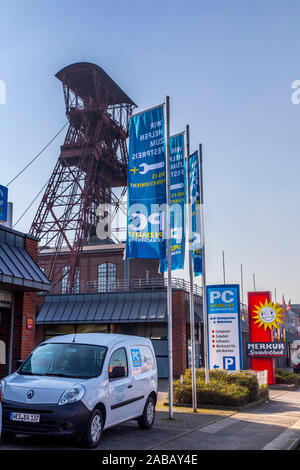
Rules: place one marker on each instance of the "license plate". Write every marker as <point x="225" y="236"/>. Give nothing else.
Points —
<point x="25" y="417"/>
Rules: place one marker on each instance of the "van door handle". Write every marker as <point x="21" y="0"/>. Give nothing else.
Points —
<point x="130" y="386"/>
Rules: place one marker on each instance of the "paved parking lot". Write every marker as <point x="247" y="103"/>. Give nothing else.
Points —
<point x="129" y="435"/>
<point x="271" y="425"/>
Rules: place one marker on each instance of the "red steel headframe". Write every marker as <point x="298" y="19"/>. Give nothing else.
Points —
<point x="93" y="160"/>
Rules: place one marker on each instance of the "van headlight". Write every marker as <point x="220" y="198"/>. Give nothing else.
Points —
<point x="72" y="394"/>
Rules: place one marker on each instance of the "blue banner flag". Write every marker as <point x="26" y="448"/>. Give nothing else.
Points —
<point x="196" y="213"/>
<point x="177" y="197"/>
<point x="3" y="203"/>
<point x="146" y="200"/>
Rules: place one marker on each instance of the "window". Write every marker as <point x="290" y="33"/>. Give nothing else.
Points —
<point x="118" y="358"/>
<point x="2" y="352"/>
<point x="64" y="281"/>
<point x="65" y="360"/>
<point x="107" y="277"/>
<point x="77" y="281"/>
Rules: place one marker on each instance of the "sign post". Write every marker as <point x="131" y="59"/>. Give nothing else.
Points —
<point x="191" y="274"/>
<point x="203" y="254"/>
<point x="224" y="327"/>
<point x="148" y="211"/>
<point x="168" y="252"/>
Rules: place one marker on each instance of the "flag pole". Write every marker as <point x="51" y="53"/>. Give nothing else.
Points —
<point x="242" y="284"/>
<point x="168" y="250"/>
<point x="191" y="274"/>
<point x="223" y="257"/>
<point x="203" y="266"/>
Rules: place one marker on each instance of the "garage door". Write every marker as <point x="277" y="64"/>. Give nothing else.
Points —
<point x="160" y="347"/>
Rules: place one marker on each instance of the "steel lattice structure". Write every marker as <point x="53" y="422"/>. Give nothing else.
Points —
<point x="93" y="160"/>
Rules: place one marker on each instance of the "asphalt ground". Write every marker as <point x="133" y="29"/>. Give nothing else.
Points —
<point x="269" y="426"/>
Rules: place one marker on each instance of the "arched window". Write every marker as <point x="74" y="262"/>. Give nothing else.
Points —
<point x="107" y="277"/>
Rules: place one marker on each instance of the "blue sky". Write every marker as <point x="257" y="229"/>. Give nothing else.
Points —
<point x="227" y="66"/>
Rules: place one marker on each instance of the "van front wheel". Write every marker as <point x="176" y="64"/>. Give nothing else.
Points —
<point x="147" y="419"/>
<point x="93" y="433"/>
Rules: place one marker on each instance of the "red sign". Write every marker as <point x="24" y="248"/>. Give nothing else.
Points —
<point x="259" y="333"/>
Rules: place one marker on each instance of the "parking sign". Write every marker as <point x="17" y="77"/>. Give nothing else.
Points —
<point x="224" y="327"/>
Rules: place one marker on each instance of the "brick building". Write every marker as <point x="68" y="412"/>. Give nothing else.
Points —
<point x="20" y="279"/>
<point x="111" y="294"/>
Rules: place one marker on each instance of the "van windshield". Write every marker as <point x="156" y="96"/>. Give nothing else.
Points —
<point x="82" y="361"/>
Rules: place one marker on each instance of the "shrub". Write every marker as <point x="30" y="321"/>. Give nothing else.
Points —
<point x="263" y="392"/>
<point x="223" y="389"/>
<point x="284" y="376"/>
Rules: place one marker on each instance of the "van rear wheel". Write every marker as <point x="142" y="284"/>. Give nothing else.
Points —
<point x="93" y="433"/>
<point x="147" y="419"/>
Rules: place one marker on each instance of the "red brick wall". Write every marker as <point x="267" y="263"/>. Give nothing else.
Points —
<point x="29" y="306"/>
<point x="28" y="335"/>
<point x="89" y="262"/>
<point x="138" y="268"/>
<point x="31" y="246"/>
<point x="4" y="334"/>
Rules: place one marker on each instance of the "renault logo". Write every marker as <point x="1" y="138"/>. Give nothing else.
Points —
<point x="30" y="394"/>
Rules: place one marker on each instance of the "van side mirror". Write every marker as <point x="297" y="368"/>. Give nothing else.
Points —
<point x="19" y="363"/>
<point x="117" y="372"/>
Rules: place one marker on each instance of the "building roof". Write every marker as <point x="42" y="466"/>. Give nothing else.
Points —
<point x="17" y="268"/>
<point x="87" y="249"/>
<point x="87" y="80"/>
<point x="113" y="307"/>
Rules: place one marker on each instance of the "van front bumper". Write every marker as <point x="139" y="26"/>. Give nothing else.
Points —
<point x="55" y="420"/>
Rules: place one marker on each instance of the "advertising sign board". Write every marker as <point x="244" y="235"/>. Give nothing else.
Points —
<point x="224" y="327"/>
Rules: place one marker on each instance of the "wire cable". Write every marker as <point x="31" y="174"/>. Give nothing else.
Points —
<point x="49" y="143"/>
<point x="32" y="202"/>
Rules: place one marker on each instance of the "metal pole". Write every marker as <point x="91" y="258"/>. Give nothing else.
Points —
<point x="242" y="284"/>
<point x="254" y="282"/>
<point x="223" y="267"/>
<point x="168" y="249"/>
<point x="11" y="335"/>
<point x="203" y="266"/>
<point x="191" y="274"/>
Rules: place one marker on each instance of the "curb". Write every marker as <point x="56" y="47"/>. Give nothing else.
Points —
<point x="287" y="440"/>
<point x="252" y="404"/>
<point x="287" y="387"/>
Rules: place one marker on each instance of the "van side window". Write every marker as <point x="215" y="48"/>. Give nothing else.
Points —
<point x="118" y="358"/>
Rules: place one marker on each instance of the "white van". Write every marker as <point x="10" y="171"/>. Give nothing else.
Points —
<point x="0" y="414"/>
<point x="79" y="385"/>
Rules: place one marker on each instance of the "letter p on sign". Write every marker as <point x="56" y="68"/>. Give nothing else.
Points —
<point x="214" y="295"/>
<point x="226" y="296"/>
<point x="229" y="363"/>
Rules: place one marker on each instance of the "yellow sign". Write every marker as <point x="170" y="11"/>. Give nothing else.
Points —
<point x="268" y="314"/>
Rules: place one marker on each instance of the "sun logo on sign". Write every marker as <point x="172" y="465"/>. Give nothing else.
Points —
<point x="268" y="314"/>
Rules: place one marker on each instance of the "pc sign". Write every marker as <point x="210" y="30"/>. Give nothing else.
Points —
<point x="224" y="327"/>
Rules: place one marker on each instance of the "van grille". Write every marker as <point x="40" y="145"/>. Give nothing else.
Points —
<point x="45" y="424"/>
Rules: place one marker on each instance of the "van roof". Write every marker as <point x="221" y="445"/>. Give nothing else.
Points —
<point x="101" y="339"/>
